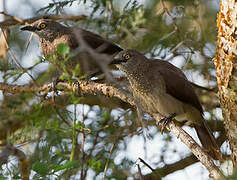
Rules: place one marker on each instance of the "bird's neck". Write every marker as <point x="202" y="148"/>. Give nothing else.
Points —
<point x="136" y="75"/>
<point x="51" y="36"/>
<point x="50" y="43"/>
<point x="137" y="68"/>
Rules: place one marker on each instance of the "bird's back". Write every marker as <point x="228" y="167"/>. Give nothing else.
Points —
<point x="70" y="36"/>
<point x="97" y="42"/>
<point x="176" y="83"/>
<point x="56" y="33"/>
<point x="154" y="76"/>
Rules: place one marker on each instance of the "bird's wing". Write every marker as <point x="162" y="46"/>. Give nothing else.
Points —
<point x="96" y="41"/>
<point x="176" y="83"/>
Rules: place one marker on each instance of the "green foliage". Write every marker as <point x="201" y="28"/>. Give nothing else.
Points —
<point x="44" y="169"/>
<point x="63" y="50"/>
<point x="67" y="139"/>
<point x="40" y="168"/>
<point x="56" y="6"/>
<point x="96" y="165"/>
<point x="67" y="165"/>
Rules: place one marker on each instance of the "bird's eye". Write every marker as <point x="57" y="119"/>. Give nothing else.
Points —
<point x="42" y="25"/>
<point x="126" y="56"/>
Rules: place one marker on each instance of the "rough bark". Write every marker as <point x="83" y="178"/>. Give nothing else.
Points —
<point x="83" y="87"/>
<point x="226" y="69"/>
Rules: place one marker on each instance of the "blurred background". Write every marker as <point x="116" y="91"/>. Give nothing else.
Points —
<point x="91" y="141"/>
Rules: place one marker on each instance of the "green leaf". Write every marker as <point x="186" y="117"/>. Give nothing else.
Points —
<point x="95" y="164"/>
<point x="69" y="164"/>
<point x="79" y="125"/>
<point x="106" y="115"/>
<point x="63" y="49"/>
<point x="2" y="177"/>
<point x="77" y="70"/>
<point x="40" y="168"/>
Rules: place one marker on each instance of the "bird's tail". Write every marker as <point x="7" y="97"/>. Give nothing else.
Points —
<point x="208" y="141"/>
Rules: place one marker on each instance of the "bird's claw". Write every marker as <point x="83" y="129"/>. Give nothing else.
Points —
<point x="91" y="75"/>
<point x="165" y="121"/>
<point x="54" y="84"/>
<point x="76" y="87"/>
<point x="53" y="88"/>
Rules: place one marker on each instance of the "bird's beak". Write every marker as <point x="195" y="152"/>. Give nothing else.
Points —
<point x="29" y="28"/>
<point x="117" y="61"/>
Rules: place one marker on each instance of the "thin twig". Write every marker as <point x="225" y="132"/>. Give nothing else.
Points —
<point x="182" y="163"/>
<point x="63" y="119"/>
<point x="176" y="29"/>
<point x="101" y="59"/>
<point x="107" y="161"/>
<point x="110" y="91"/>
<point x="204" y="158"/>
<point x="16" y="61"/>
<point x="153" y="170"/>
<point x="23" y="162"/>
<point x="83" y="138"/>
<point x="28" y="42"/>
<point x="18" y="21"/>
<point x="139" y="172"/>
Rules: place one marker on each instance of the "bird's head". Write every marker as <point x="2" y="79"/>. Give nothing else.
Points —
<point x="46" y="28"/>
<point x="128" y="58"/>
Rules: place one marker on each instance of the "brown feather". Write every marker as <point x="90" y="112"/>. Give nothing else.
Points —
<point x="95" y="41"/>
<point x="176" y="83"/>
<point x="55" y="33"/>
<point x="161" y="88"/>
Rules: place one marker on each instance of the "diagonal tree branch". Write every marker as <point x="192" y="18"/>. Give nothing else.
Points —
<point x="17" y="21"/>
<point x="170" y="168"/>
<point x="93" y="88"/>
<point x="179" y="165"/>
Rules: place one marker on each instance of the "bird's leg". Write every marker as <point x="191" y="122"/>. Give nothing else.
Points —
<point x="166" y="120"/>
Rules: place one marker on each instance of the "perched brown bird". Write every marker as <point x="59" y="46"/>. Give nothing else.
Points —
<point x="52" y="33"/>
<point x="161" y="88"/>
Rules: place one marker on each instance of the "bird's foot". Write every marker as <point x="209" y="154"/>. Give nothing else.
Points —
<point x="76" y="87"/>
<point x="95" y="74"/>
<point x="91" y="75"/>
<point x="166" y="120"/>
<point x="99" y="80"/>
<point x="96" y="80"/>
<point x="54" y="88"/>
<point x="55" y="83"/>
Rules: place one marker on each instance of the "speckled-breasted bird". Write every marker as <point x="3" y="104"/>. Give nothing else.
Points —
<point x="52" y="33"/>
<point x="161" y="88"/>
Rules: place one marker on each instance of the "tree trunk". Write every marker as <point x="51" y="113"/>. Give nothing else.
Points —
<point x="226" y="69"/>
